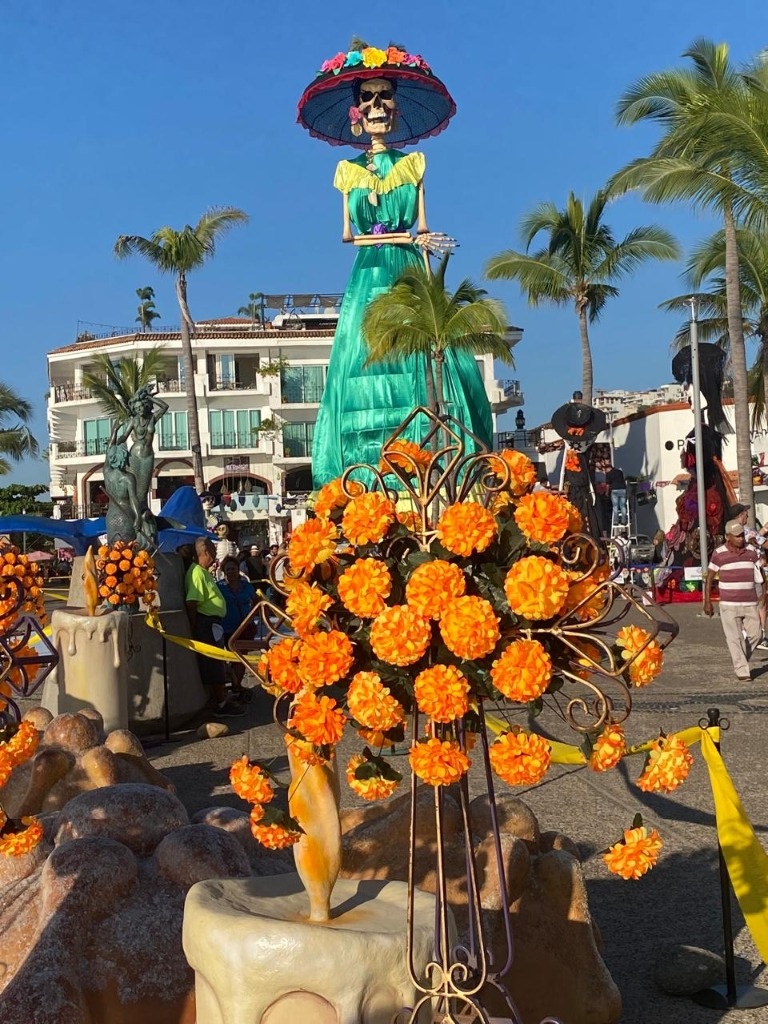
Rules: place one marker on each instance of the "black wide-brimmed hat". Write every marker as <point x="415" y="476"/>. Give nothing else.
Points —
<point x="424" y="104"/>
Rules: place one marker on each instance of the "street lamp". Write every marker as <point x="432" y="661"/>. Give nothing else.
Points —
<point x="520" y="420"/>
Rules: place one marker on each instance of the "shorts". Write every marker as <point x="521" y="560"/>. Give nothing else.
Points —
<point x="211" y="670"/>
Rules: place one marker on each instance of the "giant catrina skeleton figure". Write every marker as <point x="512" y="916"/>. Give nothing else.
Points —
<point x="375" y="100"/>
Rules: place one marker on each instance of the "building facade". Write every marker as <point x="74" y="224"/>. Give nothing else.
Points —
<point x="258" y="386"/>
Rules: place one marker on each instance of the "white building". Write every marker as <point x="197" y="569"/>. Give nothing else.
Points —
<point x="259" y="477"/>
<point x="623" y="403"/>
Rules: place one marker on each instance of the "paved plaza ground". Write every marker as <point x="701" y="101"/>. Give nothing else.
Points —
<point x="679" y="901"/>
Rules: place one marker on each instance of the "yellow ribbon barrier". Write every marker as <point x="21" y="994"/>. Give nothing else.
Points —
<point x="207" y="650"/>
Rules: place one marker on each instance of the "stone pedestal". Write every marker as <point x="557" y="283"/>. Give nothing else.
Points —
<point x="93" y="665"/>
<point x="259" y="960"/>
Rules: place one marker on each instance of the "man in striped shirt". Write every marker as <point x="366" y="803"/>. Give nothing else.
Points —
<point x="736" y="566"/>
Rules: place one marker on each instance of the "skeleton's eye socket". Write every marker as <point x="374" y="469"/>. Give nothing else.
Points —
<point x="367" y="96"/>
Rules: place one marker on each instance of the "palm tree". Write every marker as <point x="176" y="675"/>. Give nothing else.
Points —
<point x="147" y="312"/>
<point x="114" y="384"/>
<point x="579" y="264"/>
<point x="179" y="253"/>
<point x="255" y="307"/>
<point x="712" y="154"/>
<point x="419" y="316"/>
<point x="16" y="440"/>
<point x="706" y="266"/>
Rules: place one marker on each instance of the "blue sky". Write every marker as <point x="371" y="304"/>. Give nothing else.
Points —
<point x="122" y="117"/>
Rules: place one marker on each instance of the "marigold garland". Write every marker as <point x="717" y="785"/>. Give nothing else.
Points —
<point x="249" y="782"/>
<point x="608" y="749"/>
<point x="318" y="720"/>
<point x="274" y="836"/>
<point x="6" y="767"/>
<point x="442" y="693"/>
<point x="466" y="527"/>
<point x="26" y="577"/>
<point x="520" y="758"/>
<point x="22" y="745"/>
<point x="400" y="636"/>
<point x="366" y="519"/>
<point x="432" y="587"/>
<point x="668" y="764"/>
<point x="17" y="843"/>
<point x="523" y="671"/>
<point x="635" y="854"/>
<point x="470" y="627"/>
<point x="311" y="544"/>
<point x="376" y="787"/>
<point x="126" y="575"/>
<point x="305" y="606"/>
<point x="542" y="517"/>
<point x="438" y="762"/>
<point x="536" y="588"/>
<point x="371" y="703"/>
<point x="325" y="658"/>
<point x="364" y="587"/>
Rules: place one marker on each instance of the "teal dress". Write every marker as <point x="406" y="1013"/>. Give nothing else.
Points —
<point x="363" y="405"/>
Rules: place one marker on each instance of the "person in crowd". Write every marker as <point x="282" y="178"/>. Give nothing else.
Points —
<point x="736" y="566"/>
<point x="240" y="597"/>
<point x="756" y="538"/>
<point x="273" y="549"/>
<point x="660" y="547"/>
<point x="252" y="564"/>
<point x="762" y="597"/>
<point x="206" y="609"/>
<point x="617" y="487"/>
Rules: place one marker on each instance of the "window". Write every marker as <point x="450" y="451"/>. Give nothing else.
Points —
<point x="297" y="440"/>
<point x="172" y="432"/>
<point x="96" y="436"/>
<point x="234" y="428"/>
<point x="301" y="384"/>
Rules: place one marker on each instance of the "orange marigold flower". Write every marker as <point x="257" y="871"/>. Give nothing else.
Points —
<point x="523" y="671"/>
<point x="375" y="787"/>
<point x="466" y="527"/>
<point x="305" y="605"/>
<point x="635" y="854"/>
<point x="608" y="749"/>
<point x="15" y="844"/>
<point x="373" y="737"/>
<point x="6" y="767"/>
<point x="646" y="665"/>
<point x="333" y="496"/>
<point x="325" y="658"/>
<point x="366" y="519"/>
<point x="632" y="638"/>
<point x="303" y="751"/>
<point x="257" y="813"/>
<point x="364" y="586"/>
<point x="542" y="517"/>
<point x="400" y="636"/>
<point x="312" y="543"/>
<point x="522" y="472"/>
<point x="575" y="522"/>
<point x="23" y="744"/>
<point x="432" y="587"/>
<point x="406" y="455"/>
<point x="442" y="692"/>
<point x="371" y="703"/>
<point x="319" y="720"/>
<point x="585" y="590"/>
<point x="438" y="762"/>
<point x="520" y="758"/>
<point x="668" y="764"/>
<point x="281" y="665"/>
<point x="410" y="520"/>
<point x="536" y="587"/>
<point x="274" y="836"/>
<point x="469" y="627"/>
<point x="572" y="461"/>
<point x="249" y="782"/>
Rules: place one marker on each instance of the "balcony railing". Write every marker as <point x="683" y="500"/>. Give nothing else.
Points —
<point x="169" y="384"/>
<point x="297" y="449"/>
<point x="512" y="389"/>
<point x="92" y="511"/>
<point x="79" y="449"/>
<point x="173" y="443"/>
<point x="71" y="393"/>
<point x="231" y="384"/>
<point x="298" y="394"/>
<point x="516" y="439"/>
<point x="235" y="439"/>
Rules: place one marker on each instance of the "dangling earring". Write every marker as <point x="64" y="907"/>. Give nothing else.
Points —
<point x="356" y="129"/>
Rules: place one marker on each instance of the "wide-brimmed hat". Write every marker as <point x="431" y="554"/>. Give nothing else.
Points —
<point x="424" y="104"/>
<point x="736" y="510"/>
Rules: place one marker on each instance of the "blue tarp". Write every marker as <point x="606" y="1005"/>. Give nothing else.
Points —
<point x="181" y="521"/>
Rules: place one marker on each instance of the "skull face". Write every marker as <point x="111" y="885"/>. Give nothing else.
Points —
<point x="377" y="106"/>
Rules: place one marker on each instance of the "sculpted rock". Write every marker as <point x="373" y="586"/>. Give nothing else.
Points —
<point x="212" y="730"/>
<point x="685" y="970"/>
<point x="73" y="732"/>
<point x="557" y="969"/>
<point x="137" y="816"/>
<point x="197" y="852"/>
<point x="84" y="878"/>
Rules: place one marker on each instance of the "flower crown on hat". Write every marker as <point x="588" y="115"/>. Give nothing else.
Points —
<point x="373" y="57"/>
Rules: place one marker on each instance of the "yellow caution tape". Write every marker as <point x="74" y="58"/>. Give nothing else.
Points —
<point x="207" y="650"/>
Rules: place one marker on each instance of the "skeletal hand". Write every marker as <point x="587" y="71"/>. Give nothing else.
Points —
<point x="436" y="242"/>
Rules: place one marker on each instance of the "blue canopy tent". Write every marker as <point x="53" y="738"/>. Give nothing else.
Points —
<point x="182" y="520"/>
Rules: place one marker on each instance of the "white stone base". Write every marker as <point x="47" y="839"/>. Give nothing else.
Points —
<point x="258" y="960"/>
